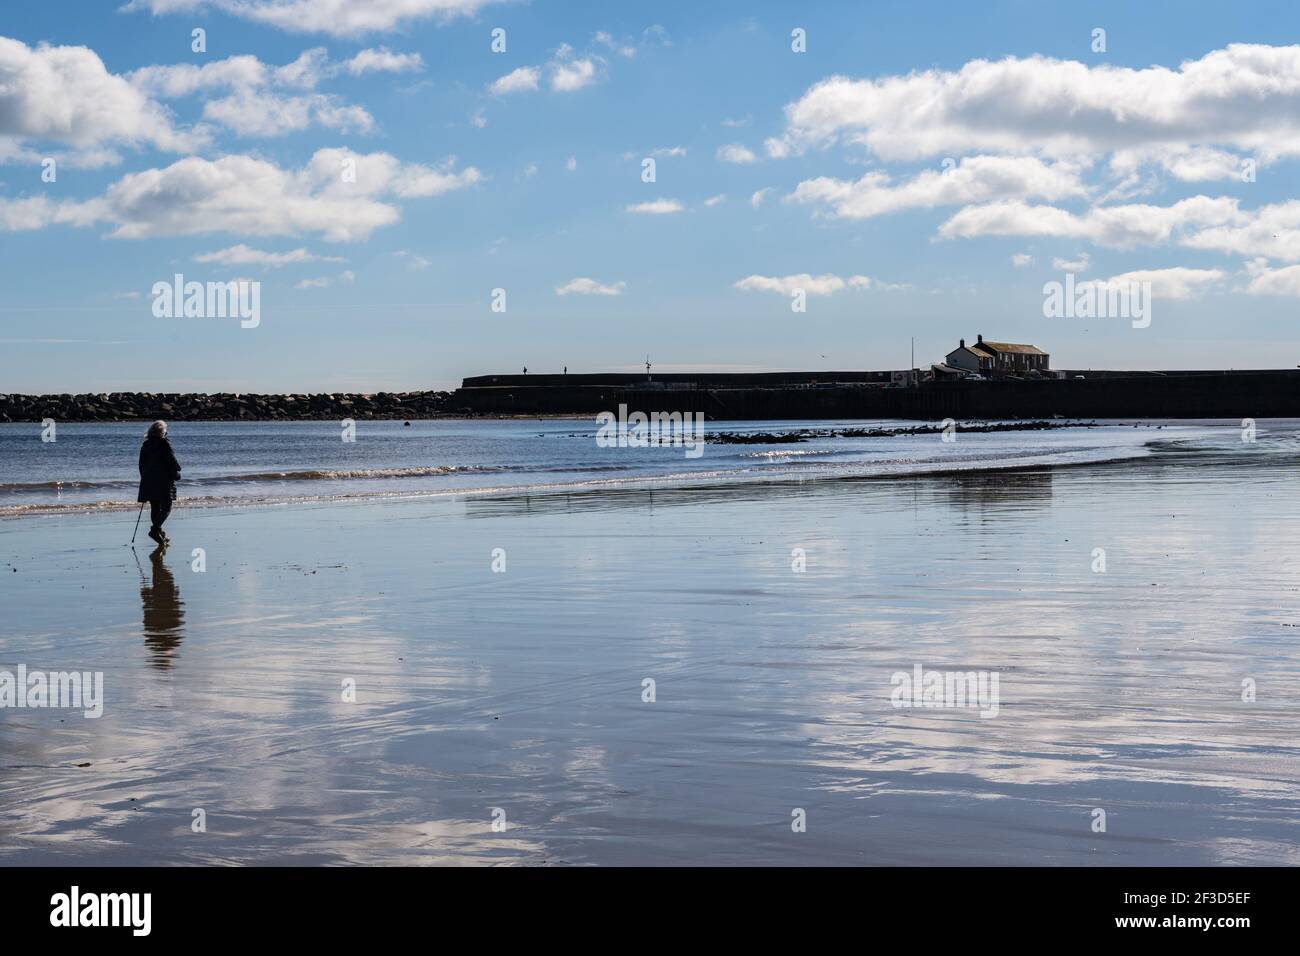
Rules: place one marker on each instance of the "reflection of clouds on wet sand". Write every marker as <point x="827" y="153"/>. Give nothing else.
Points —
<point x="523" y="690"/>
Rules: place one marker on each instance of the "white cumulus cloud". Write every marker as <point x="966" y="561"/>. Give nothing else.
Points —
<point x="825" y="284"/>
<point x="521" y="80"/>
<point x="265" y="100"/>
<point x="65" y="95"/>
<point x="573" y="75"/>
<point x="1272" y="231"/>
<point x="1078" y="264"/>
<point x="383" y="60"/>
<point x="1244" y="96"/>
<point x="245" y="194"/>
<point x="1178" y="282"/>
<point x="736" y="153"/>
<point x="656" y="207"/>
<point x="586" y="286"/>
<point x="243" y="255"/>
<point x="975" y="179"/>
<point x="1268" y="281"/>
<point x="1123" y="226"/>
<point x="340" y="18"/>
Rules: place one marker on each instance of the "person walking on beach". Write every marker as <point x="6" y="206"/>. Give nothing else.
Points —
<point x="159" y="472"/>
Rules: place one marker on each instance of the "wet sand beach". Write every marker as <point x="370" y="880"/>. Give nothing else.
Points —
<point x="518" y="695"/>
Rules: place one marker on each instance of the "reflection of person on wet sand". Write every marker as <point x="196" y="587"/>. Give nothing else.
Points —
<point x="164" y="612"/>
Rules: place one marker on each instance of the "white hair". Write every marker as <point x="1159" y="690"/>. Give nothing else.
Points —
<point x="158" y="428"/>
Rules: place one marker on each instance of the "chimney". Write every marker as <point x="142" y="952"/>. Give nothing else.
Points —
<point x="979" y="340"/>
<point x="962" y="344"/>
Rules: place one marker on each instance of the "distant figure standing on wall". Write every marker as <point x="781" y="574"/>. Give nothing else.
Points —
<point x="159" y="472"/>
<point x="525" y="369"/>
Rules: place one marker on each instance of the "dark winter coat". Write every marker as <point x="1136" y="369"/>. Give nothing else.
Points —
<point x="158" y="470"/>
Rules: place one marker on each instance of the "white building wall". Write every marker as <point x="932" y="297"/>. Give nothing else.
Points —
<point x="963" y="358"/>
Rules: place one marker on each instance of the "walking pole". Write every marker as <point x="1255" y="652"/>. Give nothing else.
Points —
<point x="137" y="524"/>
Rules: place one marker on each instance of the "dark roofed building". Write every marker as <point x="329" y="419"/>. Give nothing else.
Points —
<point x="998" y="358"/>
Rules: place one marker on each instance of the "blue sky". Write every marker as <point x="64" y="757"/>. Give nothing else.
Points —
<point x="219" y="165"/>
